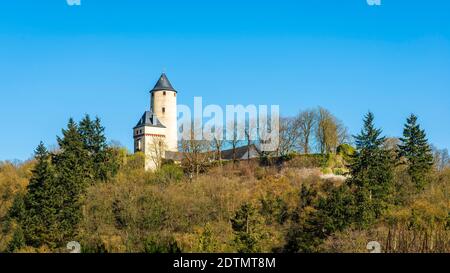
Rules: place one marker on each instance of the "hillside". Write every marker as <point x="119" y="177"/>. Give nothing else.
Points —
<point x="166" y="211"/>
<point x="337" y="201"/>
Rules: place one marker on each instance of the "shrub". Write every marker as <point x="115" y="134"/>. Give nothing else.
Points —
<point x="169" y="173"/>
<point x="327" y="171"/>
<point x="155" y="244"/>
<point x="305" y="161"/>
<point x="346" y="151"/>
<point x="339" y="171"/>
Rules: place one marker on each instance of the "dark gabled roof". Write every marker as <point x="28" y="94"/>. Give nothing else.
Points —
<point x="175" y="156"/>
<point x="163" y="84"/>
<point x="240" y="152"/>
<point x="149" y="119"/>
<point x="225" y="154"/>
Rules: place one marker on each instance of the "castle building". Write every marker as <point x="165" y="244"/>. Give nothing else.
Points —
<point x="156" y="132"/>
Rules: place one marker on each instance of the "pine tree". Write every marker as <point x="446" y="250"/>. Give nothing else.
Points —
<point x="72" y="178"/>
<point x="17" y="241"/>
<point x="37" y="202"/>
<point x="371" y="173"/>
<point x="248" y="230"/>
<point x="50" y="211"/>
<point x="101" y="157"/>
<point x="416" y="152"/>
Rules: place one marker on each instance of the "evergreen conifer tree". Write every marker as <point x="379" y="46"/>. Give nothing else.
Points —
<point x="73" y="176"/>
<point x="39" y="212"/>
<point x="101" y="158"/>
<point x="371" y="173"/>
<point x="416" y="152"/>
<point x="247" y="226"/>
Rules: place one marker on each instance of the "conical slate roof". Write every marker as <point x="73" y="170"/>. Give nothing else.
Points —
<point x="149" y="119"/>
<point x="163" y="84"/>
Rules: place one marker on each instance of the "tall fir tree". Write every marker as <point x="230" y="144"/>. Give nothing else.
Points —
<point x="36" y="213"/>
<point x="371" y="173"/>
<point x="416" y="152"/>
<point x="248" y="229"/>
<point x="50" y="211"/>
<point x="101" y="157"/>
<point x="39" y="212"/>
<point x="73" y="176"/>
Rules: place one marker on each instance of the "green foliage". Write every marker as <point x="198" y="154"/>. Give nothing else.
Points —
<point x="337" y="210"/>
<point x="339" y="171"/>
<point x="346" y="151"/>
<point x="134" y="162"/>
<point x="371" y="174"/>
<point x="320" y="213"/>
<point x="17" y="242"/>
<point x="328" y="160"/>
<point x="287" y="207"/>
<point x="265" y="159"/>
<point x="206" y="240"/>
<point x="102" y="159"/>
<point x="50" y="211"/>
<point x="307" y="230"/>
<point x="274" y="209"/>
<point x="38" y="208"/>
<point x="168" y="173"/>
<point x="305" y="236"/>
<point x="17" y="210"/>
<point x="74" y="174"/>
<point x="416" y="151"/>
<point x="306" y="161"/>
<point x="247" y="226"/>
<point x="327" y="171"/>
<point x="154" y="245"/>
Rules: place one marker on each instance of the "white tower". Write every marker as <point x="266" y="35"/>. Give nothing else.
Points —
<point x="164" y="106"/>
<point x="157" y="131"/>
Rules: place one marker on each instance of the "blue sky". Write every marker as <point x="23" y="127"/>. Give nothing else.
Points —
<point x="102" y="58"/>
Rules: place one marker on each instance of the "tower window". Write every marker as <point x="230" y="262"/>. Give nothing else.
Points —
<point x="174" y="94"/>
<point x="139" y="145"/>
<point x="164" y="109"/>
<point x="164" y="93"/>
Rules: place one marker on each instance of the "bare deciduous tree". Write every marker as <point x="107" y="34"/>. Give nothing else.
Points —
<point x="289" y="136"/>
<point x="217" y="144"/>
<point x="342" y="132"/>
<point x="234" y="137"/>
<point x="306" y="124"/>
<point x="441" y="158"/>
<point x="158" y="148"/>
<point x="196" y="154"/>
<point x="251" y="131"/>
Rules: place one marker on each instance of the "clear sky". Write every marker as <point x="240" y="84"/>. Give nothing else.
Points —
<point x="102" y="58"/>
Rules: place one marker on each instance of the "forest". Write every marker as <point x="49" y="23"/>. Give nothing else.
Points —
<point x="321" y="191"/>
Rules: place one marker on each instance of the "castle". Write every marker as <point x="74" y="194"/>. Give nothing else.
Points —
<point x="156" y="132"/>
